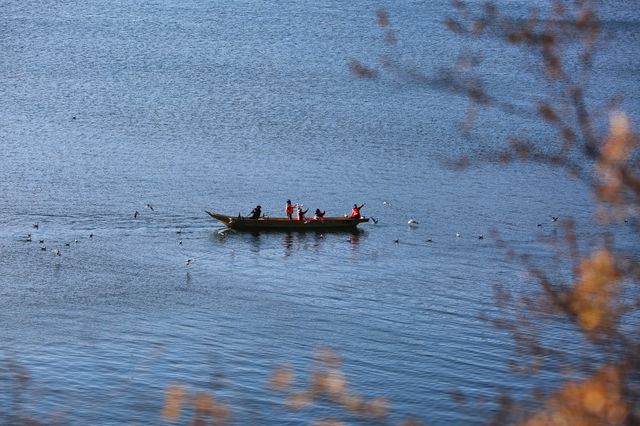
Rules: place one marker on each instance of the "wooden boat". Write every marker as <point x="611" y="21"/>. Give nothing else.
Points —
<point x="241" y="223"/>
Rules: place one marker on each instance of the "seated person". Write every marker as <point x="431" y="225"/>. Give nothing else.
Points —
<point x="319" y="215"/>
<point x="301" y="213"/>
<point x="256" y="213"/>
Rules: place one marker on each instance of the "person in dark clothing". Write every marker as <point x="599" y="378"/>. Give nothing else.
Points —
<point x="319" y="215"/>
<point x="301" y="212"/>
<point x="256" y="213"/>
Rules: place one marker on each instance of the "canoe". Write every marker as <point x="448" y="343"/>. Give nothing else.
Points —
<point x="240" y="223"/>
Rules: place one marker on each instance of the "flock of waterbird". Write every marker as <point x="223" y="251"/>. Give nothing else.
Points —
<point x="57" y="252"/>
<point x="43" y="247"/>
<point x="412" y="223"/>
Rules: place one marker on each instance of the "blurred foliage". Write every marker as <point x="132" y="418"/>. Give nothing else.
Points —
<point x="203" y="407"/>
<point x="598" y="306"/>
<point x="327" y="384"/>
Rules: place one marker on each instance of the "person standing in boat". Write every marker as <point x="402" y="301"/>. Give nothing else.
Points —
<point x="319" y="215"/>
<point x="355" y="211"/>
<point x="256" y="213"/>
<point x="288" y="209"/>
<point x="301" y="213"/>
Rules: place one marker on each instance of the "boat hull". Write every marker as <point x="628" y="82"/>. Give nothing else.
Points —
<point x="284" y="224"/>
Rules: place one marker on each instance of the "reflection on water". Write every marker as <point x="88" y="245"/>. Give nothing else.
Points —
<point x="287" y="243"/>
<point x="354" y="239"/>
<point x="255" y="242"/>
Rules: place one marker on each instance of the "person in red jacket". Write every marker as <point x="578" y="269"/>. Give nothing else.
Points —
<point x="355" y="211"/>
<point x="288" y="209"/>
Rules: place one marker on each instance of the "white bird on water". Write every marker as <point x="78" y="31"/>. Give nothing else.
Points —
<point x="412" y="222"/>
<point x="457" y="235"/>
<point x="56" y="252"/>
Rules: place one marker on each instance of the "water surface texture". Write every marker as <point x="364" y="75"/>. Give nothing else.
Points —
<point x="194" y="105"/>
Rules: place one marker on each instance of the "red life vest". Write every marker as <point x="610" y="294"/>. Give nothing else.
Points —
<point x="355" y="212"/>
<point x="288" y="209"/>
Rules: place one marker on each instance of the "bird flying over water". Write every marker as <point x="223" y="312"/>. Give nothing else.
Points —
<point x="148" y="206"/>
<point x="189" y="262"/>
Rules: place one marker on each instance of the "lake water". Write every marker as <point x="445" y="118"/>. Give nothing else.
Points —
<point x="194" y="105"/>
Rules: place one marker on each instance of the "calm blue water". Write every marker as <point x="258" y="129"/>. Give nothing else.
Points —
<point x="199" y="105"/>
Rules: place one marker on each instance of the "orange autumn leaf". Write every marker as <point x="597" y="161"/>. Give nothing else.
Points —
<point x="203" y="402"/>
<point x="335" y="382"/>
<point x="173" y="396"/>
<point x="613" y="154"/>
<point x="592" y="297"/>
<point x="281" y="378"/>
<point x="618" y="144"/>
<point x="595" y="401"/>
